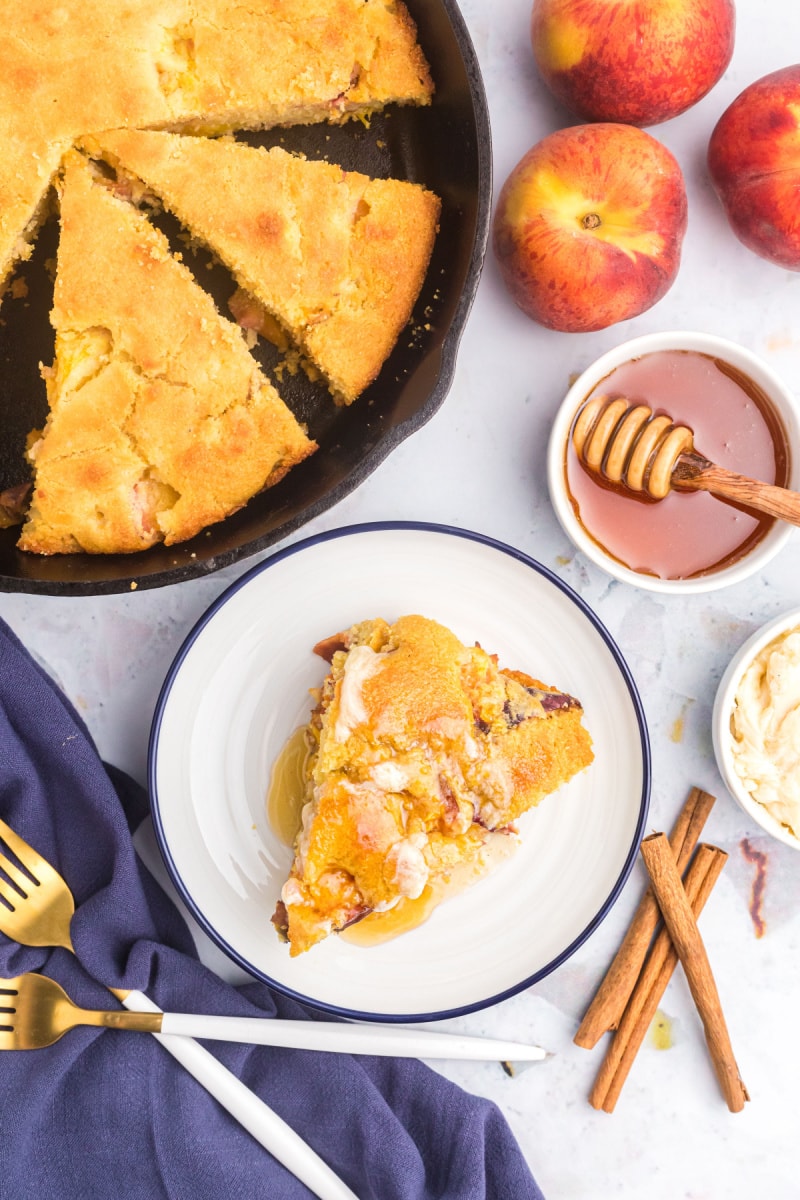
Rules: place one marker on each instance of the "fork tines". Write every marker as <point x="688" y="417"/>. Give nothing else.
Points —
<point x="19" y="876"/>
<point x="6" y="1006"/>
<point x="36" y="905"/>
<point x="17" y="883"/>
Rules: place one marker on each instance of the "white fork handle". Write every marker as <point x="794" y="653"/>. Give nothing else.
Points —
<point x="401" y="1042"/>
<point x="257" y="1118"/>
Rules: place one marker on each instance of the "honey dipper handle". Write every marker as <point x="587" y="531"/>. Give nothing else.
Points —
<point x="694" y="473"/>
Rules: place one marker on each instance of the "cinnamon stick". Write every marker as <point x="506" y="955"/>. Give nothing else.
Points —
<point x="651" y="984"/>
<point x="608" y="1005"/>
<point x="691" y="951"/>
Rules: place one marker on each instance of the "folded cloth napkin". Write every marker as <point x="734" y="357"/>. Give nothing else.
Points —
<point x="104" y="1114"/>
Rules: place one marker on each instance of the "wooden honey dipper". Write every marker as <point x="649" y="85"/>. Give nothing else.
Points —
<point x="628" y="445"/>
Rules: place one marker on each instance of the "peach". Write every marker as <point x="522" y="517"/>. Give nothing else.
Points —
<point x="636" y="61"/>
<point x="754" y="161"/>
<point x="589" y="225"/>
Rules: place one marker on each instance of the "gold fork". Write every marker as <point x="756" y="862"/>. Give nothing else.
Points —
<point x="40" y="905"/>
<point x="35" y="1012"/>
<point x="37" y="911"/>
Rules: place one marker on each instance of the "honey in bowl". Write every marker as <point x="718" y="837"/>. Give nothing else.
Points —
<point x="734" y="424"/>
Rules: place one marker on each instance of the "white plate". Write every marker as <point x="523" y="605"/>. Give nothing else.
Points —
<point x="238" y="689"/>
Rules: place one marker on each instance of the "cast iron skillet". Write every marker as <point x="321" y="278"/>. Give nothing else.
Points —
<point x="447" y="147"/>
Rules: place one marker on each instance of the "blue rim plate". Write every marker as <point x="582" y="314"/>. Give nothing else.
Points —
<point x="239" y="687"/>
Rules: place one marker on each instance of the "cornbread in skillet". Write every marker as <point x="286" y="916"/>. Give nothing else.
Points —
<point x="160" y="421"/>
<point x="424" y="752"/>
<point x="286" y="62"/>
<point x="67" y="68"/>
<point x="80" y="66"/>
<point x="333" y="259"/>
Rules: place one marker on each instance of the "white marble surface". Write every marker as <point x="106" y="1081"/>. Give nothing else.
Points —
<point x="479" y="463"/>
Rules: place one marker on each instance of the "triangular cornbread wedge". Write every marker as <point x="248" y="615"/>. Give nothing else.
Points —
<point x="160" y="421"/>
<point x="68" y="68"/>
<point x="27" y="169"/>
<point x="336" y="258"/>
<point x="79" y="66"/>
<point x="286" y="62"/>
<point x="422" y="753"/>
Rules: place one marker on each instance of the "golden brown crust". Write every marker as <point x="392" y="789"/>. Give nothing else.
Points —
<point x="336" y="258"/>
<point x="160" y="420"/>
<point x="425" y="751"/>
<point x="280" y="62"/>
<point x="81" y="66"/>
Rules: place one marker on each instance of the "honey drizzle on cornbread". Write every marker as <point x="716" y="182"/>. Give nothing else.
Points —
<point x="407" y="914"/>
<point x="286" y="793"/>
<point x="286" y="796"/>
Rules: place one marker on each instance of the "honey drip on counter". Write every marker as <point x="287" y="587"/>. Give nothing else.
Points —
<point x="287" y="787"/>
<point x="661" y="1031"/>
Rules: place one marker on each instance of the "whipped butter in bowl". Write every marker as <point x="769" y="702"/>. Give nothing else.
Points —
<point x="757" y="727"/>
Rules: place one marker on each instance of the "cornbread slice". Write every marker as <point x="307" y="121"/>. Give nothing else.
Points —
<point x="287" y="62"/>
<point x="423" y="753"/>
<point x="79" y="66"/>
<point x="160" y="421"/>
<point x="336" y="259"/>
<point x="27" y="169"/>
<point x="67" y="68"/>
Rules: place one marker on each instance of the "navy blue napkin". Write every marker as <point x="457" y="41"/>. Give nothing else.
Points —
<point x="104" y="1114"/>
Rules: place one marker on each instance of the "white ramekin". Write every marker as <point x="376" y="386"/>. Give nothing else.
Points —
<point x="721" y="724"/>
<point x="743" y="360"/>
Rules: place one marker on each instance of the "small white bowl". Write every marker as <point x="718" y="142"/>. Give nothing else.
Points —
<point x="721" y="724"/>
<point x="743" y="360"/>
